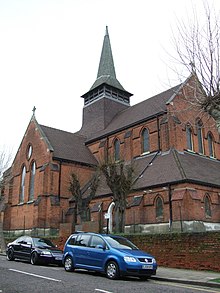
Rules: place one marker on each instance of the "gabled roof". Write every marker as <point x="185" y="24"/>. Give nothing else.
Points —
<point x="139" y="112"/>
<point x="68" y="146"/>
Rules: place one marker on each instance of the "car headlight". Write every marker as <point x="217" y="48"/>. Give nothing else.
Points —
<point x="129" y="259"/>
<point x="154" y="260"/>
<point x="44" y="252"/>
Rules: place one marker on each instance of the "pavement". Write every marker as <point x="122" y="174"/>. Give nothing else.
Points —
<point x="185" y="276"/>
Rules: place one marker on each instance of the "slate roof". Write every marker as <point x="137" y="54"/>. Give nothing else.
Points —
<point x="171" y="167"/>
<point x="106" y="71"/>
<point x="68" y="146"/>
<point x="174" y="166"/>
<point x="137" y="113"/>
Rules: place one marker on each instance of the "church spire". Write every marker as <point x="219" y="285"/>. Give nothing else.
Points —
<point x="106" y="71"/>
<point x="106" y="98"/>
<point x="106" y="64"/>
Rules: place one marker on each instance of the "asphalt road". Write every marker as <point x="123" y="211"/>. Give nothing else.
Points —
<point x="17" y="276"/>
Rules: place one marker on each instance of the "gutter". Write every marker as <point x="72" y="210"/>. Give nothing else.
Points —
<point x="165" y="184"/>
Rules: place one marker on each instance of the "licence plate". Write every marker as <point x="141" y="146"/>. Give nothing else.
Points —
<point x="58" y="258"/>
<point x="147" y="267"/>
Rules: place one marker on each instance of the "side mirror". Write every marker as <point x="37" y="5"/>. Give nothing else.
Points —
<point x="101" y="247"/>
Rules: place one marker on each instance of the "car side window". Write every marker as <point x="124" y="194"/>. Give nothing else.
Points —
<point x="83" y="240"/>
<point x="72" y="240"/>
<point x="20" y="239"/>
<point x="28" y="240"/>
<point x="96" y="240"/>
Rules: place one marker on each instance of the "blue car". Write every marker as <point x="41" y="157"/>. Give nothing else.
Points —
<point x="113" y="255"/>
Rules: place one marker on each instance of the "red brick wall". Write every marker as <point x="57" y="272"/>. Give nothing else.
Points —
<point x="198" y="251"/>
<point x="187" y="113"/>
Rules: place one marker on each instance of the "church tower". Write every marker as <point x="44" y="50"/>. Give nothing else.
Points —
<point x="106" y="97"/>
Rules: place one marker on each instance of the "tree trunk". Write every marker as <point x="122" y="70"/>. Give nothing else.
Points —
<point x="119" y="219"/>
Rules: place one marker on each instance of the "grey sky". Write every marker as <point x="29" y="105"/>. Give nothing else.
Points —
<point x="50" y="50"/>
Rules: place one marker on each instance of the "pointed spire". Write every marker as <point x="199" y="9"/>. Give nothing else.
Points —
<point x="106" y="72"/>
<point x="106" y="64"/>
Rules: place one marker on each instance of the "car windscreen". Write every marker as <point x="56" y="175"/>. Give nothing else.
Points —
<point x="120" y="243"/>
<point x="44" y="243"/>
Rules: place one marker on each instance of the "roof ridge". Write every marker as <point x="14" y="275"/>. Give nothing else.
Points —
<point x="61" y="130"/>
<point x="179" y="165"/>
<point x="146" y="100"/>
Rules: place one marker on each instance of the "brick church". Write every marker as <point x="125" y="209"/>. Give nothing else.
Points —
<point x="175" y="150"/>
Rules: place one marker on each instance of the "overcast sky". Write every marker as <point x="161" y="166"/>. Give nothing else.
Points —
<point x="50" y="51"/>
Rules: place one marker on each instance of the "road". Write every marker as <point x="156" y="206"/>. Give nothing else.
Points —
<point x="17" y="276"/>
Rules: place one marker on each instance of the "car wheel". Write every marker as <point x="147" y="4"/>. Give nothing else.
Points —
<point x="112" y="270"/>
<point x="34" y="258"/>
<point x="68" y="264"/>
<point x="10" y="254"/>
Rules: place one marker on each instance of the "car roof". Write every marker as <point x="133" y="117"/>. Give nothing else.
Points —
<point x="98" y="234"/>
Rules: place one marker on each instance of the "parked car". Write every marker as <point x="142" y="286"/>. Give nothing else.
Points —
<point x="33" y="249"/>
<point x="113" y="255"/>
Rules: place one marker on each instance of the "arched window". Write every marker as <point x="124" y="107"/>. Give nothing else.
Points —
<point x="208" y="212"/>
<point x="145" y="141"/>
<point x="88" y="214"/>
<point x="22" y="187"/>
<point x="199" y="135"/>
<point x="29" y="151"/>
<point x="117" y="150"/>
<point x="159" y="207"/>
<point x="211" y="144"/>
<point x="189" y="137"/>
<point x="32" y="177"/>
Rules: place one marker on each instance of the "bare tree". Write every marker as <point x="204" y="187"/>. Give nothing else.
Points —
<point x="198" y="49"/>
<point x="5" y="159"/>
<point x="82" y="203"/>
<point x="119" y="178"/>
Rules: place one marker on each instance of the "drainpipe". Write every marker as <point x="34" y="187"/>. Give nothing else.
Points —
<point x="158" y="133"/>
<point x="59" y="182"/>
<point x="170" y="208"/>
<point x="107" y="159"/>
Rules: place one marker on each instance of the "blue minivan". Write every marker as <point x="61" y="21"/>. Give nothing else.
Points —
<point x="110" y="254"/>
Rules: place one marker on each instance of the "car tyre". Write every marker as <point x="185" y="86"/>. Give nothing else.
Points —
<point x="112" y="270"/>
<point x="68" y="264"/>
<point x="34" y="258"/>
<point x="10" y="254"/>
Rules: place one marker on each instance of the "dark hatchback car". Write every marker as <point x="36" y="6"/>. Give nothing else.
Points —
<point x="35" y="250"/>
<point x="112" y="255"/>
